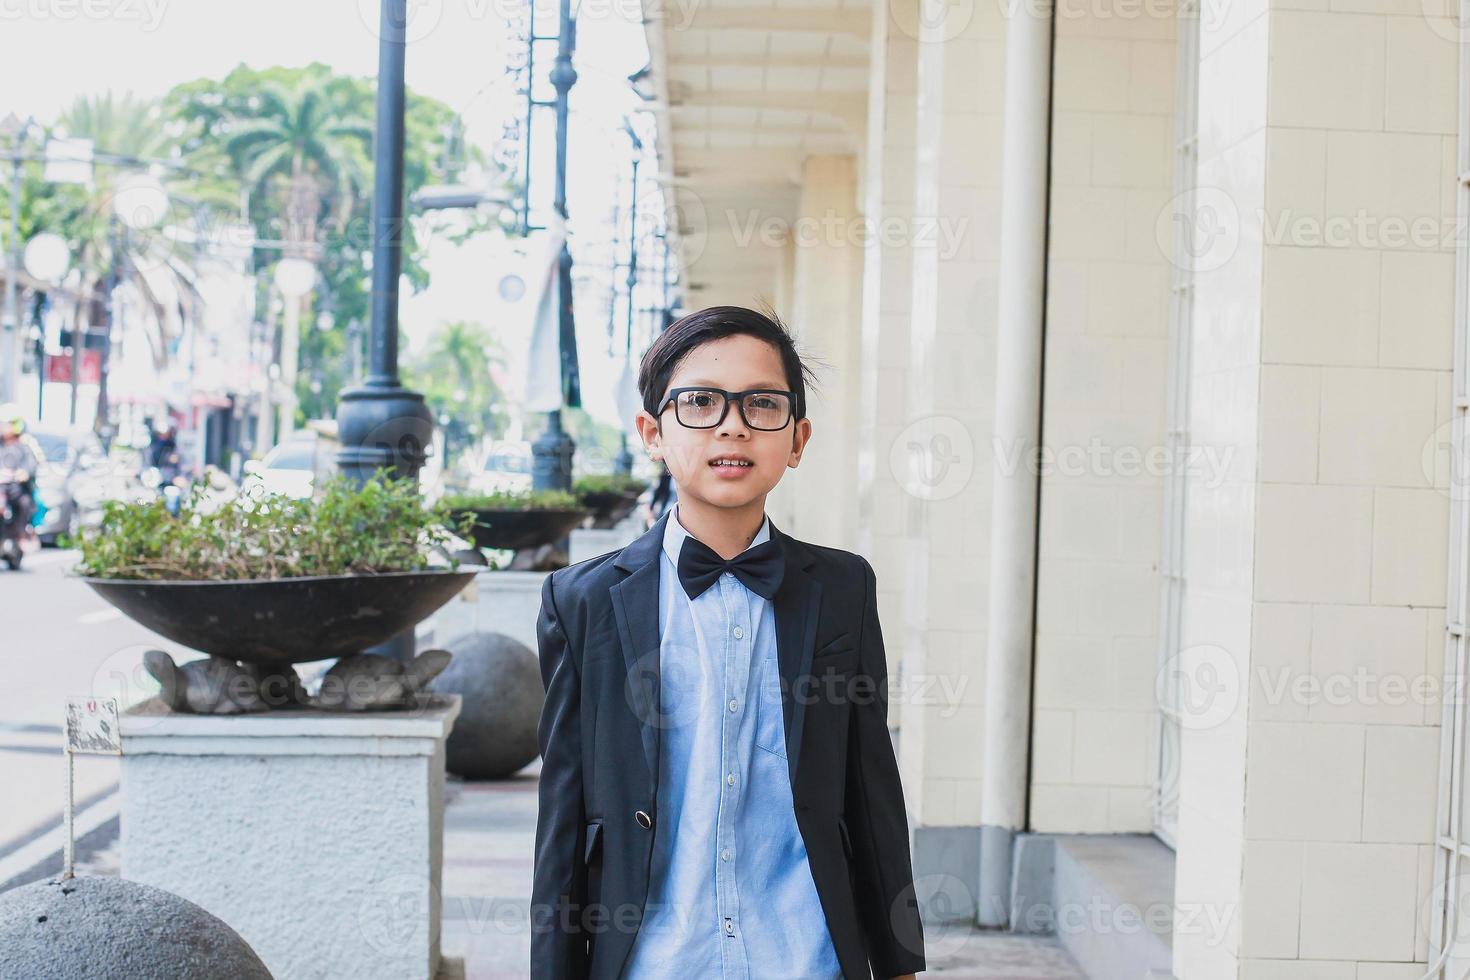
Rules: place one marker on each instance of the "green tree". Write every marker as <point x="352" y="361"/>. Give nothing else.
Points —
<point x="300" y="135"/>
<point x="455" y="372"/>
<point x="296" y="139"/>
<point x="128" y="135"/>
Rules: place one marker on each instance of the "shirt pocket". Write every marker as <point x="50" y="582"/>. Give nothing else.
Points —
<point x="770" y="726"/>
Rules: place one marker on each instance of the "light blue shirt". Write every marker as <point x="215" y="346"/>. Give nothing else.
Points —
<point x="730" y="892"/>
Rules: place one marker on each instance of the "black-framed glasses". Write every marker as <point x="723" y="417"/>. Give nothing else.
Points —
<point x="766" y="409"/>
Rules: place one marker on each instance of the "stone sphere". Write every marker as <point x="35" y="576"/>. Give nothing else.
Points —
<point x="500" y="681"/>
<point x="110" y="928"/>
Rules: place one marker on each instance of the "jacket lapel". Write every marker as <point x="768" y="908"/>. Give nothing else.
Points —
<point x="635" y="607"/>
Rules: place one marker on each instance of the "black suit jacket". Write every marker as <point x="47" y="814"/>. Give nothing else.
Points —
<point x="599" y="734"/>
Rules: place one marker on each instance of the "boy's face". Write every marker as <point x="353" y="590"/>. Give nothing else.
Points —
<point x="733" y="363"/>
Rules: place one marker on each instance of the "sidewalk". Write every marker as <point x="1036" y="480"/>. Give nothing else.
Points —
<point x="489" y="838"/>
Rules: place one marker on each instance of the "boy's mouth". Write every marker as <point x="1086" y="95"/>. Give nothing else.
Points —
<point x="732" y="461"/>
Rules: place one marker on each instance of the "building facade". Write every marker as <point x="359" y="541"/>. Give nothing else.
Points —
<point x="1141" y="337"/>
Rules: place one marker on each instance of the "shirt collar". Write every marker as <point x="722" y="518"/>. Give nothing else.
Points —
<point x="675" y="533"/>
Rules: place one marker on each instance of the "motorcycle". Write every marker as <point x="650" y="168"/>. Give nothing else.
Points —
<point x="167" y="479"/>
<point x="13" y="519"/>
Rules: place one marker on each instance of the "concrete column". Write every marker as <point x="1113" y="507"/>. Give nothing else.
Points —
<point x="943" y="448"/>
<point x="888" y="194"/>
<point x="1020" y="324"/>
<point x="826" y="313"/>
<point x="1322" y="335"/>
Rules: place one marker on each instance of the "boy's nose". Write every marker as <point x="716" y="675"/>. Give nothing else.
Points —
<point x="733" y="423"/>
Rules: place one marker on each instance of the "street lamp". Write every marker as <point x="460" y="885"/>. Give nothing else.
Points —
<point x="140" y="201"/>
<point x="623" y="463"/>
<point x="448" y="197"/>
<point x="551" y="466"/>
<point x="381" y="424"/>
<point x="47" y="259"/>
<point x="294" y="277"/>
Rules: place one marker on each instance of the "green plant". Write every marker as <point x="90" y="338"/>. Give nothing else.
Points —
<point x="382" y="526"/>
<point x="512" y="500"/>
<point x="607" y="483"/>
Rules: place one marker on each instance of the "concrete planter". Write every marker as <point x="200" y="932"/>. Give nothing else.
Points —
<point x="509" y="601"/>
<point x="317" y="836"/>
<point x="275" y="622"/>
<point x="495" y="602"/>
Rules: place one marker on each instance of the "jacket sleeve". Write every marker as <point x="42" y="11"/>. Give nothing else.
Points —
<point x="874" y="811"/>
<point x="559" y="882"/>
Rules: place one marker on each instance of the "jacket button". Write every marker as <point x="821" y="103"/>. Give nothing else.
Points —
<point x="644" y="820"/>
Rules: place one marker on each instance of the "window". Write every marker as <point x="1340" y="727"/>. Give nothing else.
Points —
<point x="290" y="456"/>
<point x="507" y="463"/>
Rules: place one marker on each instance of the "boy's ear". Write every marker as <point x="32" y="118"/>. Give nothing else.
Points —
<point x="799" y="438"/>
<point x="651" y="430"/>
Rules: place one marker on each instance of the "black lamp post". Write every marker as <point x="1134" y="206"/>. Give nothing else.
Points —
<point x="551" y="453"/>
<point x="623" y="462"/>
<point x="382" y="425"/>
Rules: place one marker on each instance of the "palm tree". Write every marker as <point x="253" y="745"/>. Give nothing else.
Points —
<point x="300" y="135"/>
<point x="136" y="131"/>
<point x="455" y="374"/>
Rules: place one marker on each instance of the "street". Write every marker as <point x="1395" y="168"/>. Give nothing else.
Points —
<point x="58" y="639"/>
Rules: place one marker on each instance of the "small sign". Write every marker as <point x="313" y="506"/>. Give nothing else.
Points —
<point x="91" y="726"/>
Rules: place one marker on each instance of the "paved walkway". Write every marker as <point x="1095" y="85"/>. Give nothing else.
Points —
<point x="489" y="838"/>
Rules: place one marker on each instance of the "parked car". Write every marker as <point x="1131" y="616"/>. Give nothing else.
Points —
<point x="70" y="459"/>
<point x="297" y="465"/>
<point x="507" y="468"/>
<point x="113" y="478"/>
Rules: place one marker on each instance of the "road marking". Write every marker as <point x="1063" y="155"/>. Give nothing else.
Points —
<point x="99" y="616"/>
<point x="44" y="845"/>
<point x="9" y="727"/>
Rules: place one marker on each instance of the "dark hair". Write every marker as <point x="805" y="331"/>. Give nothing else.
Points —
<point x="714" y="323"/>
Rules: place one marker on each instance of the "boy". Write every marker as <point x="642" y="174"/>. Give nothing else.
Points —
<point x="719" y="796"/>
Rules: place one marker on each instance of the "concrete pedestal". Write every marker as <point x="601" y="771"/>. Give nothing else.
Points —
<point x="589" y="542"/>
<point x="317" y="836"/>
<point x="496" y="602"/>
<point x="509" y="602"/>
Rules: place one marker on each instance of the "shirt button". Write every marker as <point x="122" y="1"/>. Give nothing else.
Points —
<point x="729" y="928"/>
<point x="730" y="779"/>
<point x="734" y="704"/>
<point x="739" y="632"/>
<point x="725" y="854"/>
<point x="644" y="820"/>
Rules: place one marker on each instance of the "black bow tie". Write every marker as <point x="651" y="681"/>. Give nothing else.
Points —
<point x="759" y="568"/>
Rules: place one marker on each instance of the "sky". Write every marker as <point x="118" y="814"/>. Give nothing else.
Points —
<point x="52" y="51"/>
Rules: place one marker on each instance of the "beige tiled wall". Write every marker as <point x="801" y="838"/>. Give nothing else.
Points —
<point x="1094" y="729"/>
<point x="1317" y="573"/>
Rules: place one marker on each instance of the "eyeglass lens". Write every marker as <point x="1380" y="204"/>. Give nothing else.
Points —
<point x="701" y="409"/>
